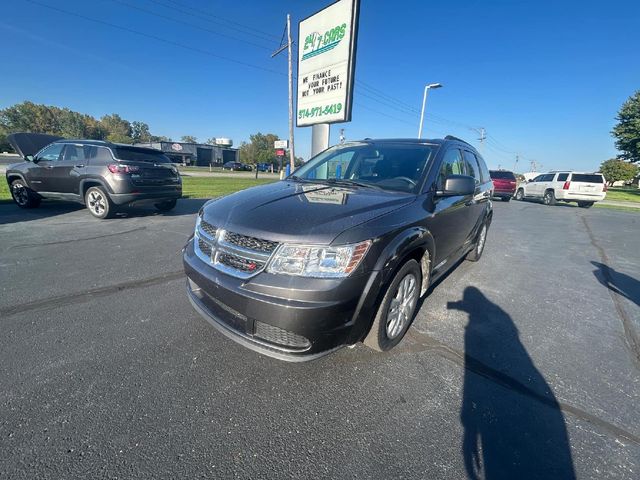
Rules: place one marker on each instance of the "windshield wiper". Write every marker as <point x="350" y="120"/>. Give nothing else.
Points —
<point x="349" y="182"/>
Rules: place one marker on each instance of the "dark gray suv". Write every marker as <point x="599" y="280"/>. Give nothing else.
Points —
<point x="342" y="250"/>
<point x="100" y="175"/>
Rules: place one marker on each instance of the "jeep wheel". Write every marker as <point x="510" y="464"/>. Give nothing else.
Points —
<point x="549" y="198"/>
<point x="23" y="195"/>
<point x="396" y="310"/>
<point x="585" y="204"/>
<point x="99" y="203"/>
<point x="166" y="205"/>
<point x="520" y="194"/>
<point x="475" y="254"/>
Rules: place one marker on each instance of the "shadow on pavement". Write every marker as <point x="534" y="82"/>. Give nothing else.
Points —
<point x="11" y="213"/>
<point x="507" y="434"/>
<point x="622" y="284"/>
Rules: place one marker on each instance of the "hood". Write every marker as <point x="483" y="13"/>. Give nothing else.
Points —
<point x="30" y="143"/>
<point x="301" y="213"/>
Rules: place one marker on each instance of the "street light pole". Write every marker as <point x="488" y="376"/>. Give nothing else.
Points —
<point x="424" y="103"/>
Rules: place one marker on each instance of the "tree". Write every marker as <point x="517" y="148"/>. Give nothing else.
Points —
<point x="259" y="149"/>
<point x="615" y="170"/>
<point x="140" y="132"/>
<point x="160" y="138"/>
<point x="188" y="139"/>
<point x="117" y="128"/>
<point x="627" y="130"/>
<point x="211" y="141"/>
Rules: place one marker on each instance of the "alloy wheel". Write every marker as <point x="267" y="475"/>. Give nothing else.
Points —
<point x="20" y="194"/>
<point x="97" y="203"/>
<point x="401" y="306"/>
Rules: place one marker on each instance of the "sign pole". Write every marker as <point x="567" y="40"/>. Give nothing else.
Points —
<point x="291" y="153"/>
<point x="319" y="138"/>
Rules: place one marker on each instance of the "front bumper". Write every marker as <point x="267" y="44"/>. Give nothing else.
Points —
<point x="289" y="318"/>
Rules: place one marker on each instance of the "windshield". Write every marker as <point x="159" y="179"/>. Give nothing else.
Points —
<point x="140" y="155"/>
<point x="389" y="166"/>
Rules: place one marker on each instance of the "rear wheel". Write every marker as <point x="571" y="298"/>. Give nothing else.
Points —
<point x="166" y="205"/>
<point x="475" y="254"/>
<point x="23" y="195"/>
<point x="396" y="310"/>
<point x="549" y="198"/>
<point x="506" y="199"/>
<point x="520" y="194"/>
<point x="585" y="204"/>
<point x="99" y="203"/>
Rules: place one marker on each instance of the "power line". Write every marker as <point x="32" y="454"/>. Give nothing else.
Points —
<point x="154" y="37"/>
<point x="189" y="24"/>
<point x="249" y="30"/>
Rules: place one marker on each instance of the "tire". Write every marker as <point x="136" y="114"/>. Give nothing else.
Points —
<point x="549" y="198"/>
<point x="585" y="204"/>
<point x="520" y="194"/>
<point x="401" y="296"/>
<point x="23" y="196"/>
<point x="166" y="205"/>
<point x="98" y="203"/>
<point x="506" y="199"/>
<point x="481" y="240"/>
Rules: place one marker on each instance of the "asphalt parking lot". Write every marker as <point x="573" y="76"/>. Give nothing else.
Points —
<point x="524" y="365"/>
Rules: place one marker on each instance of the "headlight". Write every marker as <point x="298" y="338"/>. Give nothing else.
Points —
<point x="317" y="261"/>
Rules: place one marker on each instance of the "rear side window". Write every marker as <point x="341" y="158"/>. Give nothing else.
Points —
<point x="452" y="164"/>
<point x="484" y="171"/>
<point x="140" y="155"/>
<point x="75" y="153"/>
<point x="472" y="166"/>
<point x="562" y="177"/>
<point x="502" y="175"/>
<point x="98" y="154"/>
<point x="587" y="178"/>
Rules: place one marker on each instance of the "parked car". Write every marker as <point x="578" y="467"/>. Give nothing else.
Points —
<point x="341" y="251"/>
<point x="264" y="167"/>
<point x="101" y="175"/>
<point x="583" y="188"/>
<point x="236" y="167"/>
<point x="504" y="184"/>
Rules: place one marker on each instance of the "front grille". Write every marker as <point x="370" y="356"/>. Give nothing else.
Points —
<point x="250" y="243"/>
<point x="240" y="263"/>
<point x="208" y="229"/>
<point x="204" y="247"/>
<point x="279" y="336"/>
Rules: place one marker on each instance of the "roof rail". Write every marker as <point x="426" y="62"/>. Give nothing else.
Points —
<point x="451" y="137"/>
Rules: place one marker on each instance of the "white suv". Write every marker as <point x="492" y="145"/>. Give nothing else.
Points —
<point x="583" y="188"/>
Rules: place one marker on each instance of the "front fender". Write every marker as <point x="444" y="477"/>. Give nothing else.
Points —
<point x="404" y="244"/>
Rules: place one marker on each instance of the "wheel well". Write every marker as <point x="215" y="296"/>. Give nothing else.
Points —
<point x="550" y="190"/>
<point x="11" y="178"/>
<point x="88" y="184"/>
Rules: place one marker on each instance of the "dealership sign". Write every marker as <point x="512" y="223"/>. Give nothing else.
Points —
<point x="281" y="144"/>
<point x="326" y="64"/>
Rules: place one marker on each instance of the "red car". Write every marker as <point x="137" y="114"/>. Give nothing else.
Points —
<point x="504" y="184"/>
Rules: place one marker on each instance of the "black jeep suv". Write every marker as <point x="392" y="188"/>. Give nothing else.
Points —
<point x="101" y="175"/>
<point x="341" y="250"/>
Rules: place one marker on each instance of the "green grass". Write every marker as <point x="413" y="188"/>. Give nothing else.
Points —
<point x="209" y="187"/>
<point x="617" y="207"/>
<point x="624" y="194"/>
<point x="192" y="187"/>
<point x="200" y="169"/>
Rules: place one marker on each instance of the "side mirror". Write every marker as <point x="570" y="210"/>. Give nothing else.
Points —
<point x="455" y="185"/>
<point x="30" y="158"/>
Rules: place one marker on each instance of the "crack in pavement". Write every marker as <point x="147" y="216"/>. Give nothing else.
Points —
<point x="630" y="335"/>
<point x="89" y="295"/>
<point x="425" y="343"/>
<point x="27" y="245"/>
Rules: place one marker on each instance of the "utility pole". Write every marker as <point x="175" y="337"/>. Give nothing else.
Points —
<point x="515" y="165"/>
<point x="292" y="156"/>
<point x="342" y="137"/>
<point x="280" y="49"/>
<point x="483" y="136"/>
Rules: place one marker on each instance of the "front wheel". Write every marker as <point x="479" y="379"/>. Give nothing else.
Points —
<point x="98" y="203"/>
<point x="166" y="205"/>
<point x="520" y="194"/>
<point x="585" y="204"/>
<point x="23" y="195"/>
<point x="396" y="310"/>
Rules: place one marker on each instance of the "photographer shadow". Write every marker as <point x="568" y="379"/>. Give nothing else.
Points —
<point x="513" y="432"/>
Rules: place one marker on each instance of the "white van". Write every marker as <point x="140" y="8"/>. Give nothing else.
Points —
<point x="580" y="187"/>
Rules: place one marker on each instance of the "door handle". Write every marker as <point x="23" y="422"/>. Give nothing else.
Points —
<point x="49" y="167"/>
<point x="80" y="166"/>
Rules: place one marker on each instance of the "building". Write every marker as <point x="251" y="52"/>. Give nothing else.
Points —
<point x="199" y="154"/>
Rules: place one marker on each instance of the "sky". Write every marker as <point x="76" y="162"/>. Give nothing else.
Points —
<point x="545" y="79"/>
